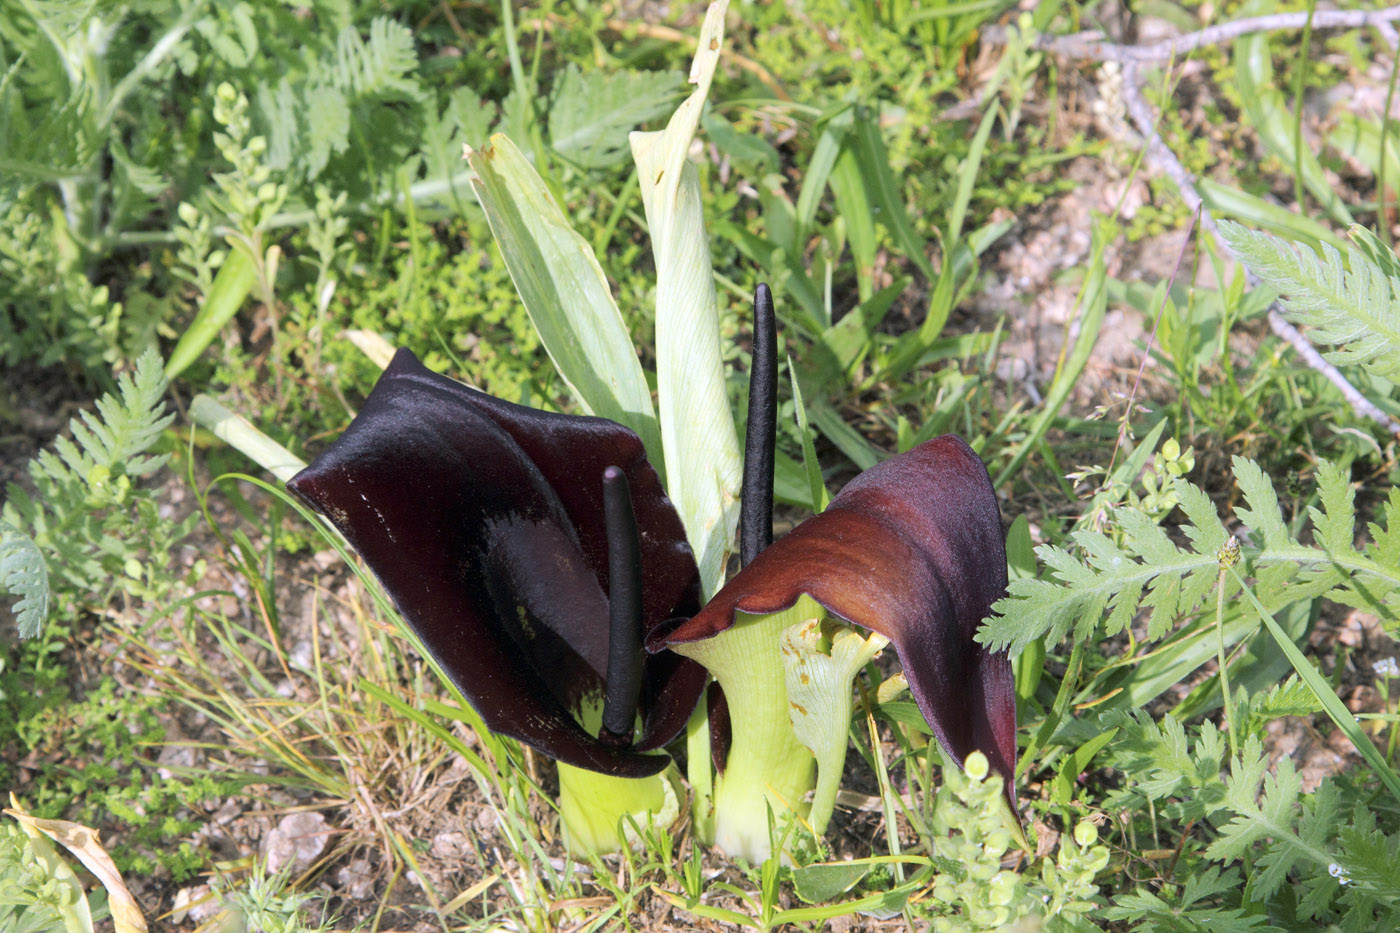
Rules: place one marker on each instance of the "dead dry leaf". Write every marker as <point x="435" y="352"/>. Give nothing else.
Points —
<point x="84" y="843"/>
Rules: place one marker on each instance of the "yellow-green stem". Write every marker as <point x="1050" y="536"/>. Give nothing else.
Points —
<point x="766" y="766"/>
<point x="1220" y="653"/>
<point x="594" y="807"/>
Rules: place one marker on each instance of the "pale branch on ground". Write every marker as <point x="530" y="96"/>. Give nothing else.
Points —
<point x="1163" y="156"/>
<point x="1093" y="47"/>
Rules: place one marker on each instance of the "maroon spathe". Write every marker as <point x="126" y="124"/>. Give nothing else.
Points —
<point x="484" y="522"/>
<point x="913" y="549"/>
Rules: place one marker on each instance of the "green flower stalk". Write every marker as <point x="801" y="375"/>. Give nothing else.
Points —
<point x="762" y="763"/>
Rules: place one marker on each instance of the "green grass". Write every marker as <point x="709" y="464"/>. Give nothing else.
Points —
<point x="134" y="171"/>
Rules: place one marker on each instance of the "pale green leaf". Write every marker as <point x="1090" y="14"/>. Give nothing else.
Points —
<point x="239" y="433"/>
<point x="1354" y="304"/>
<point x="818" y="668"/>
<point x="1335" y="523"/>
<point x="592" y="113"/>
<point x="697" y="427"/>
<point x="1262" y="514"/>
<point x="23" y="574"/>
<point x="564" y="291"/>
<point x="384" y="67"/>
<point x="1204" y="530"/>
<point x="327" y="118"/>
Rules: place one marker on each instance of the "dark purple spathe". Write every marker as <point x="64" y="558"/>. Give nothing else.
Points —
<point x="484" y="522"/>
<point x="913" y="549"/>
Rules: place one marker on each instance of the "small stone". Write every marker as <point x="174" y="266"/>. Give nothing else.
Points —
<point x="296" y="841"/>
<point x="450" y="845"/>
<point x="356" y="879"/>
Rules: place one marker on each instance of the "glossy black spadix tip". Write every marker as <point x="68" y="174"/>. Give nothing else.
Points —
<point x="625" y="655"/>
<point x="756" y="496"/>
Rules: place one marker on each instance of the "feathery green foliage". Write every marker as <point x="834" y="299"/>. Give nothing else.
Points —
<point x="23" y="574"/>
<point x="1144" y="567"/>
<point x="1295" y="839"/>
<point x="1352" y="301"/>
<point x="352" y="91"/>
<point x="592" y="113"/>
<point x="1191" y="907"/>
<point x="1318" y="857"/>
<point x="1166" y="764"/>
<point x="94" y="526"/>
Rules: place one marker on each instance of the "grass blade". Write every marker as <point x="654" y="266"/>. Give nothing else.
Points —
<point x="1093" y="298"/>
<point x="1321" y="689"/>
<point x="1265" y="108"/>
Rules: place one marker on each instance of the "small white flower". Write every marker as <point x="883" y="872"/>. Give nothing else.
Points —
<point x="1386" y="667"/>
<point x="1340" y="873"/>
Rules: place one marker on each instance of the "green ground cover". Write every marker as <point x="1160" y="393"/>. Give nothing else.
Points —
<point x="966" y="228"/>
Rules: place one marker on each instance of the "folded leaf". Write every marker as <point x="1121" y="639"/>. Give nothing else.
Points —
<point x="564" y="290"/>
<point x="697" y="426"/>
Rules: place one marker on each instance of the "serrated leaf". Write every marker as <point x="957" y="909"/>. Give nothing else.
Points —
<point x="1123" y="606"/>
<point x="23" y="574"/>
<point x="1334" y="525"/>
<point x="1263" y="514"/>
<point x="1146" y="537"/>
<point x="327" y="127"/>
<point x="1204" y="529"/>
<point x="1353" y="304"/>
<point x="385" y="67"/>
<point x="1290" y="698"/>
<point x="59" y="521"/>
<point x="592" y="114"/>
<point x="1164" y="598"/>
<point x="471" y="116"/>
<point x="1385" y="546"/>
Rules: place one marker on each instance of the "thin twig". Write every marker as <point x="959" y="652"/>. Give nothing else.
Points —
<point x="1161" y="154"/>
<point x="1093" y="45"/>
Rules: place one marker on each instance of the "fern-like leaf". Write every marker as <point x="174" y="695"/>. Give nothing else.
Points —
<point x="1164" y="764"/>
<point x="592" y="113"/>
<point x="117" y="437"/>
<point x="1254" y="820"/>
<point x="23" y="574"/>
<point x="381" y="68"/>
<point x="1192" y="910"/>
<point x="1290" y="698"/>
<point x="1143" y="568"/>
<point x="79" y="478"/>
<point x="1354" y="304"/>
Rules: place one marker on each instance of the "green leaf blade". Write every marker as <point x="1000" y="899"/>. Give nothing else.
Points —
<point x="564" y="290"/>
<point x="697" y="426"/>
